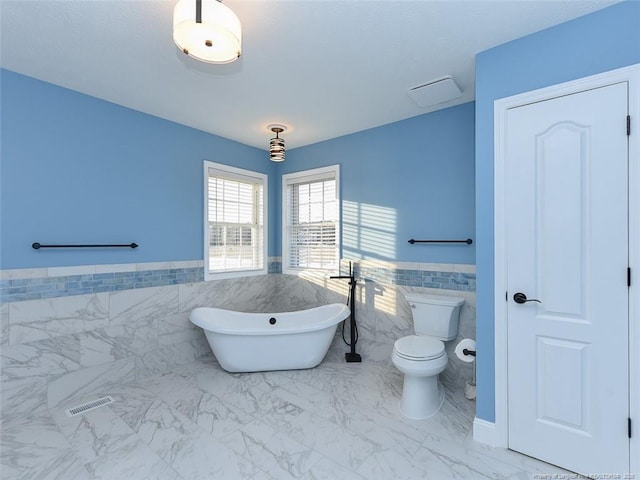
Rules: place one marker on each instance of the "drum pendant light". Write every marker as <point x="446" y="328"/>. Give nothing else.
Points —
<point x="276" y="144"/>
<point x="207" y="30"/>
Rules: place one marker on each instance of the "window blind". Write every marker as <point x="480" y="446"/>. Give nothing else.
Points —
<point x="312" y="223"/>
<point x="235" y="220"/>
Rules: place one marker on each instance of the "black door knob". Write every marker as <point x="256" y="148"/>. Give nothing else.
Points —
<point x="522" y="298"/>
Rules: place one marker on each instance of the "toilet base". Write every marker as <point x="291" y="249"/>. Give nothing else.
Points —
<point x="422" y="397"/>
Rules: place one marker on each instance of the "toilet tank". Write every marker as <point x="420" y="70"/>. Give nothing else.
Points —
<point x="435" y="315"/>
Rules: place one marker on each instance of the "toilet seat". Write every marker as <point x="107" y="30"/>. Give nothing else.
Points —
<point x="418" y="348"/>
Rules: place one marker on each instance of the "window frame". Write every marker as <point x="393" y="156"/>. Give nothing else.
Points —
<point x="303" y="176"/>
<point x="244" y="176"/>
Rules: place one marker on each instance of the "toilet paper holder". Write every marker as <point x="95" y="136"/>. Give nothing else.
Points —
<point x="466" y="351"/>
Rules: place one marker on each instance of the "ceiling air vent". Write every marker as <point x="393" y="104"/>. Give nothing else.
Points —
<point x="434" y="92"/>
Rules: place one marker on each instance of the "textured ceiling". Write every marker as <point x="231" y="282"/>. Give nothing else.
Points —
<point x="323" y="68"/>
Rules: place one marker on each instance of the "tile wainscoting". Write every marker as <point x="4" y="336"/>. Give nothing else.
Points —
<point x="55" y="349"/>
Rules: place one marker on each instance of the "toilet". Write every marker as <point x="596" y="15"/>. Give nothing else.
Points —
<point x="421" y="357"/>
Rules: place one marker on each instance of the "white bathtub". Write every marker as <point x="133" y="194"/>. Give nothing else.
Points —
<point x="257" y="342"/>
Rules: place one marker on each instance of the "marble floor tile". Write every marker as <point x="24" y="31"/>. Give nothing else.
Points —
<point x="368" y="423"/>
<point x="273" y="452"/>
<point x="135" y="461"/>
<point x="389" y="464"/>
<point x="22" y="398"/>
<point x="30" y="443"/>
<point x="327" y="469"/>
<point x="522" y="463"/>
<point x="96" y="433"/>
<point x="335" y="442"/>
<point x="200" y="456"/>
<point x="161" y="427"/>
<point x="64" y="466"/>
<point x="208" y="411"/>
<point x="335" y="422"/>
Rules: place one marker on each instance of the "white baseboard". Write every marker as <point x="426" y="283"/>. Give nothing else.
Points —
<point x="484" y="431"/>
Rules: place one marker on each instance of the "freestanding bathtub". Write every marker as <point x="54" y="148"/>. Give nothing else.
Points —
<point x="257" y="342"/>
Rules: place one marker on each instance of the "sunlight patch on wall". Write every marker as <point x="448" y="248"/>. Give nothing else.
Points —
<point x="368" y="231"/>
<point x="378" y="294"/>
<point x="381" y="298"/>
<point x="321" y="278"/>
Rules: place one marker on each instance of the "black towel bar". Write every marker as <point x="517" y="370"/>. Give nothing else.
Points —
<point x="468" y="241"/>
<point x="37" y="246"/>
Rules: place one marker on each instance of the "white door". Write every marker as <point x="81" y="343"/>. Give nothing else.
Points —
<point x="566" y="210"/>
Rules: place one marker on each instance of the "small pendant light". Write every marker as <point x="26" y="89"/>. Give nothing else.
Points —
<point x="276" y="144"/>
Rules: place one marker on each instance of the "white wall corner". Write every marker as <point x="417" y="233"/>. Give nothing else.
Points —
<point x="484" y="431"/>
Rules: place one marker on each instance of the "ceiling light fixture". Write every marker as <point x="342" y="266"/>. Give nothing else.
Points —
<point x="276" y="144"/>
<point x="207" y="30"/>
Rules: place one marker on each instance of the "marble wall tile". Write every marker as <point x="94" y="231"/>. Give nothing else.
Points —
<point x="39" y="319"/>
<point x="373" y="351"/>
<point x="335" y="352"/>
<point x="243" y="294"/>
<point x="4" y="324"/>
<point x="201" y="346"/>
<point x="129" y="306"/>
<point x="167" y="265"/>
<point x="176" y="322"/>
<point x="116" y="267"/>
<point x="308" y="290"/>
<point x="193" y="334"/>
<point x="177" y="328"/>
<point x="20" y="273"/>
<point x="63" y="390"/>
<point x="464" y="268"/>
<point x="40" y="360"/>
<point x="385" y="314"/>
<point x="73" y="270"/>
<point x="118" y="341"/>
<point x="21" y="398"/>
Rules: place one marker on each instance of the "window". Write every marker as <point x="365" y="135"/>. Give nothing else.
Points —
<point x="235" y="233"/>
<point x="311" y="215"/>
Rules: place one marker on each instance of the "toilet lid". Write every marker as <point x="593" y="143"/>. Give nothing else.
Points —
<point x="415" y="347"/>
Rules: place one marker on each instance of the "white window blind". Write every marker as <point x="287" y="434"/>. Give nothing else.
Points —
<point x="235" y="221"/>
<point x="311" y="229"/>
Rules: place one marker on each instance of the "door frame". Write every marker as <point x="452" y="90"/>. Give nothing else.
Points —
<point x="630" y="74"/>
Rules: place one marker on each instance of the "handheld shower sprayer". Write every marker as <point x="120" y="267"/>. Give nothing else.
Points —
<point x="350" y="356"/>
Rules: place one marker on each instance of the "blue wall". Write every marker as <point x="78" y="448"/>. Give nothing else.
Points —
<point x="595" y="43"/>
<point x="408" y="179"/>
<point x="76" y="169"/>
